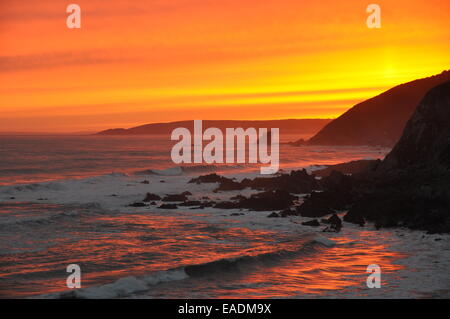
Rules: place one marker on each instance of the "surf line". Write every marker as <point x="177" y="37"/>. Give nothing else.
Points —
<point x="235" y="146"/>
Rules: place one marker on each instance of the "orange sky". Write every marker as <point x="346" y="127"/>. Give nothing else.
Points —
<point x="136" y="62"/>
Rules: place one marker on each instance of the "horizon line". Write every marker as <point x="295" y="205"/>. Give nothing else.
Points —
<point x="89" y="132"/>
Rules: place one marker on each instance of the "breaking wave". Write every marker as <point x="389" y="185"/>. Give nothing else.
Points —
<point x="192" y="169"/>
<point x="128" y="286"/>
<point x="43" y="214"/>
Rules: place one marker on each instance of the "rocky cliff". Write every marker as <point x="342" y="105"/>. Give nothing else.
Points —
<point x="379" y="120"/>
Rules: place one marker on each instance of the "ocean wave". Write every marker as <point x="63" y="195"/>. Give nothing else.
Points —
<point x="39" y="186"/>
<point x="189" y="169"/>
<point x="128" y="286"/>
<point x="54" y="213"/>
<point x="116" y="174"/>
<point x="14" y="171"/>
<point x="121" y="288"/>
<point x="238" y="264"/>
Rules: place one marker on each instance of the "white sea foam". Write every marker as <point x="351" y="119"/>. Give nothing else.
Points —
<point x="172" y="171"/>
<point x="124" y="287"/>
<point x="427" y="264"/>
<point x="324" y="241"/>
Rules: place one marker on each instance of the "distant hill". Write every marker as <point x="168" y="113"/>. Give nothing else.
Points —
<point x="302" y="126"/>
<point x="379" y="120"/>
<point x="12" y="133"/>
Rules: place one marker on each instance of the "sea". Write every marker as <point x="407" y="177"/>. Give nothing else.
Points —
<point x="64" y="200"/>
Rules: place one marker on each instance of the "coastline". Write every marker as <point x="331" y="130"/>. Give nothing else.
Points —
<point x="424" y="257"/>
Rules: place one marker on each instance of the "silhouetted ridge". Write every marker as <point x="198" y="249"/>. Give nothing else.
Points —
<point x="409" y="188"/>
<point x="379" y="120"/>
<point x="426" y="138"/>
<point x="295" y="126"/>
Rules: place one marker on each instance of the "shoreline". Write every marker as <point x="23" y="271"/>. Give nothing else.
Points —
<point x="427" y="257"/>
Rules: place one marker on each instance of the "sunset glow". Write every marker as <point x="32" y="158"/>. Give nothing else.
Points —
<point x="164" y="60"/>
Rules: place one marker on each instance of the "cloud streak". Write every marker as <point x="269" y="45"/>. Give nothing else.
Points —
<point x="55" y="60"/>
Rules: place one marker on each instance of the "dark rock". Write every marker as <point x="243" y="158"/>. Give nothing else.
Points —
<point x="236" y="214"/>
<point x="352" y="167"/>
<point x="230" y="185"/>
<point x="411" y="186"/>
<point x="354" y="218"/>
<point x="288" y="212"/>
<point x="297" y="182"/>
<point x="335" y="224"/>
<point x="332" y="229"/>
<point x="337" y="182"/>
<point x="273" y="215"/>
<point x="149" y="197"/>
<point x="210" y="178"/>
<point x="313" y="223"/>
<point x="270" y="200"/>
<point x="137" y="205"/>
<point x="226" y="205"/>
<point x="175" y="198"/>
<point x="338" y="194"/>
<point x="208" y="204"/>
<point x="238" y="197"/>
<point x="323" y="203"/>
<point x="168" y="206"/>
<point x="145" y="182"/>
<point x="334" y="220"/>
<point x="425" y="140"/>
<point x="190" y="203"/>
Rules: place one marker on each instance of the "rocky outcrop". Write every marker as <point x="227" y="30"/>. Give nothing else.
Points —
<point x="264" y="201"/>
<point x="151" y="197"/>
<point x="337" y="195"/>
<point x="297" y="182"/>
<point x="177" y="197"/>
<point x="313" y="223"/>
<point x="335" y="224"/>
<point x="425" y="141"/>
<point x="352" y="167"/>
<point x="411" y="186"/>
<point x="168" y="206"/>
<point x="209" y="178"/>
<point x="269" y="200"/>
